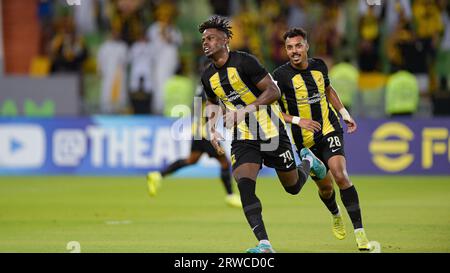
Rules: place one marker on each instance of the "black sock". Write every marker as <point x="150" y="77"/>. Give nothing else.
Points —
<point x="226" y="180"/>
<point x="303" y="172"/>
<point x="351" y="202"/>
<point x="330" y="203"/>
<point x="252" y="207"/>
<point x="306" y="166"/>
<point x="175" y="166"/>
<point x="294" y="189"/>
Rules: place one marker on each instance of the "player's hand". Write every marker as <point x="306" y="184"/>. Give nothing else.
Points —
<point x="351" y="125"/>
<point x="215" y="138"/>
<point x="310" y="125"/>
<point x="233" y="118"/>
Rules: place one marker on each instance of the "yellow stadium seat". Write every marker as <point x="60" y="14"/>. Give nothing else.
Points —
<point x="371" y="81"/>
<point x="371" y="90"/>
<point x="40" y="66"/>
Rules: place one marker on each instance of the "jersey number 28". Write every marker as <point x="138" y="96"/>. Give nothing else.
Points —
<point x="334" y="141"/>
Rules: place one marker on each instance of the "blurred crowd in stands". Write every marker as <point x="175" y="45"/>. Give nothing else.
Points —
<point x="131" y="53"/>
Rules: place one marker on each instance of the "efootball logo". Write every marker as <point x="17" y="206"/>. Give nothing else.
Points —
<point x="73" y="2"/>
<point x="22" y="146"/>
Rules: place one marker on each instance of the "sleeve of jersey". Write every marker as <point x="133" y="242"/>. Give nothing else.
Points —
<point x="324" y="69"/>
<point x="210" y="95"/>
<point x="276" y="78"/>
<point x="253" y="68"/>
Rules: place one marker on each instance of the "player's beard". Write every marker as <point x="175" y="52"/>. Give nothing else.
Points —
<point x="298" y="62"/>
<point x="216" y="52"/>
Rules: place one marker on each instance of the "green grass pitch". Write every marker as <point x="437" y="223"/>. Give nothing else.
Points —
<point x="106" y="214"/>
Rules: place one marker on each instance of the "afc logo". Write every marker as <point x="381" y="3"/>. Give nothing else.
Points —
<point x="390" y="146"/>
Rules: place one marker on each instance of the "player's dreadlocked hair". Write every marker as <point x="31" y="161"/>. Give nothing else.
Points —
<point x="217" y="22"/>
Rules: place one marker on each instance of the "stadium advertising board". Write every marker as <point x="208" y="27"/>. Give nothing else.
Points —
<point x="43" y="97"/>
<point x="103" y="145"/>
<point x="400" y="146"/>
<point x="97" y="145"/>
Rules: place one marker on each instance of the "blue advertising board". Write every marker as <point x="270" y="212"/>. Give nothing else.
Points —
<point x="399" y="146"/>
<point x="114" y="145"/>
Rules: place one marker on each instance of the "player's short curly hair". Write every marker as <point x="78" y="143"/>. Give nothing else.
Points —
<point x="217" y="22"/>
<point x="294" y="32"/>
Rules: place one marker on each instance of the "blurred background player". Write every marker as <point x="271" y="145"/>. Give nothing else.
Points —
<point x="305" y="101"/>
<point x="242" y="84"/>
<point x="200" y="144"/>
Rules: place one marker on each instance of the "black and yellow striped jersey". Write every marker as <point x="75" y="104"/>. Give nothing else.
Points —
<point x="199" y="118"/>
<point x="303" y="95"/>
<point x="234" y="84"/>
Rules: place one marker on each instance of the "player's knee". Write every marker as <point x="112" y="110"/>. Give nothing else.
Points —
<point x="341" y="178"/>
<point x="224" y="164"/>
<point x="191" y="160"/>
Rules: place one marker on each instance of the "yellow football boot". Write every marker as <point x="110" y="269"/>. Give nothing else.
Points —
<point x="361" y="240"/>
<point x="339" y="227"/>
<point x="153" y="182"/>
<point x="233" y="200"/>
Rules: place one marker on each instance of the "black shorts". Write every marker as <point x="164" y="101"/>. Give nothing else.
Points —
<point x="279" y="157"/>
<point x="329" y="146"/>
<point x="204" y="146"/>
